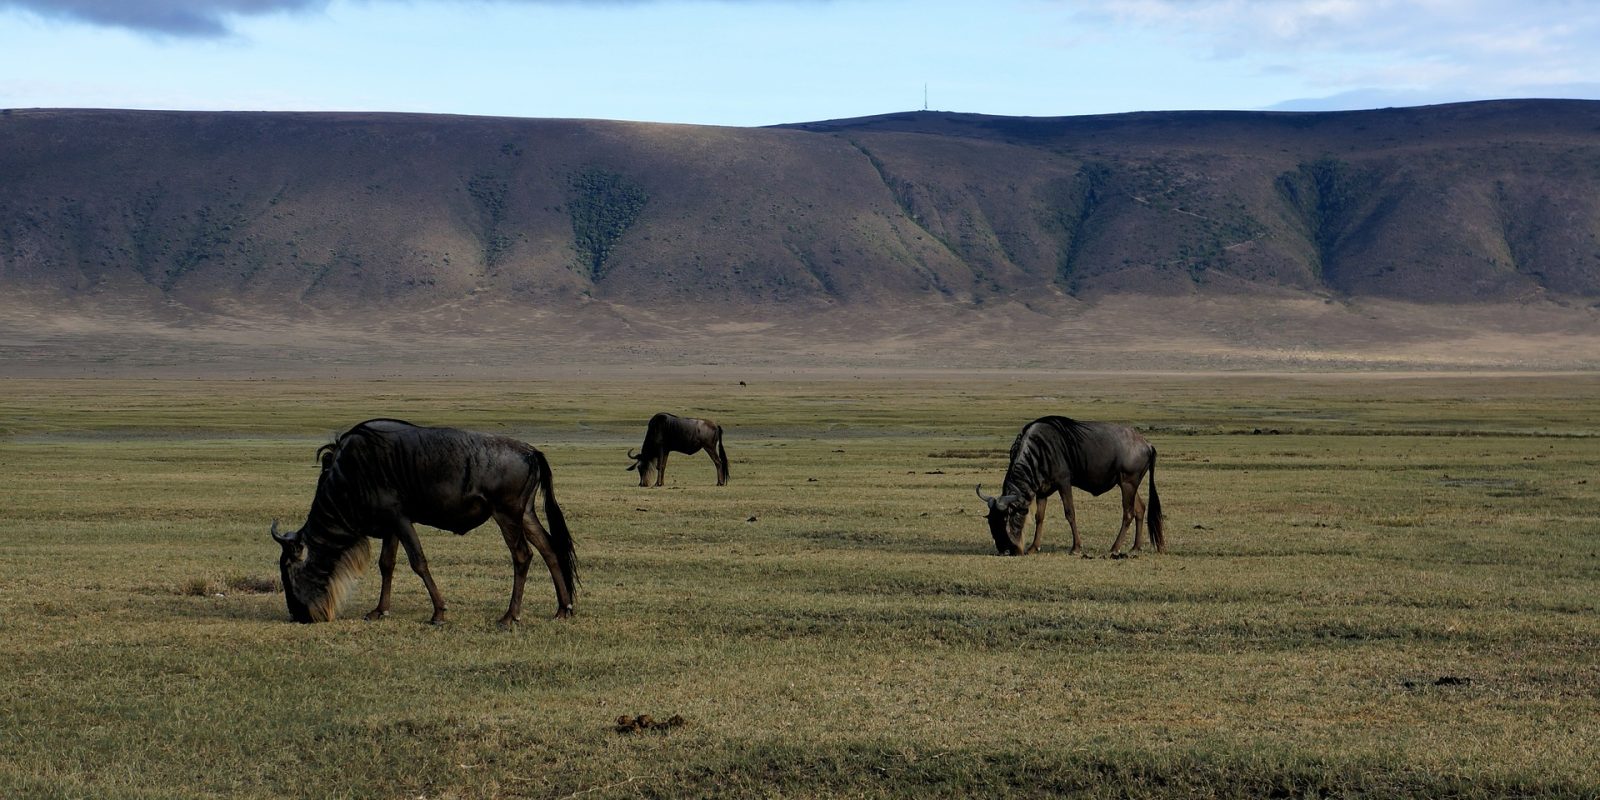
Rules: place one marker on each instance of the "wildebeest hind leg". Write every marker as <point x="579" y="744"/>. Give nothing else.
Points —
<point x="722" y="471"/>
<point x="419" y="565"/>
<point x="1040" y="504"/>
<point x="1128" y="496"/>
<point x="1138" y="522"/>
<point x="386" y="570"/>
<point x="541" y="542"/>
<point x="521" y="555"/>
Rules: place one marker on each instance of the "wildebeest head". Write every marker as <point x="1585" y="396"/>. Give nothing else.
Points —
<point x="1006" y="515"/>
<point x="289" y="565"/>
<point x="317" y="579"/>
<point x="641" y="464"/>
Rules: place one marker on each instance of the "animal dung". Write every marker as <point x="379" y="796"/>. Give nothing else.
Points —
<point x="752" y="519"/>
<point x="645" y="722"/>
<point x="1444" y="680"/>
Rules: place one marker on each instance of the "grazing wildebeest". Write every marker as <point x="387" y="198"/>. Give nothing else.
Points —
<point x="668" y="433"/>
<point x="1055" y="454"/>
<point x="383" y="476"/>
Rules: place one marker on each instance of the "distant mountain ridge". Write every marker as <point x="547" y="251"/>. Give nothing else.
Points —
<point x="1468" y="203"/>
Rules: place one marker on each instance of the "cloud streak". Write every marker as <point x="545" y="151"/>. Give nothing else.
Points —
<point x="185" y="18"/>
<point x="1400" y="43"/>
<point x="203" y="19"/>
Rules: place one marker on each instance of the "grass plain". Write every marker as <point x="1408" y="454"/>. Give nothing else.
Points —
<point x="1377" y="585"/>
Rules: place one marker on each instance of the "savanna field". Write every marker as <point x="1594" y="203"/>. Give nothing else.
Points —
<point x="1376" y="586"/>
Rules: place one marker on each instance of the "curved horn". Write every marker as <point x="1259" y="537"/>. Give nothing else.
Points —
<point x="981" y="496"/>
<point x="631" y="455"/>
<point x="283" y="538"/>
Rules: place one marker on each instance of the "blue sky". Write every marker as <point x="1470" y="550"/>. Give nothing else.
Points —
<point x="761" y="62"/>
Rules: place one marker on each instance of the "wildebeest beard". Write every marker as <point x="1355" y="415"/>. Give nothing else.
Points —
<point x="319" y="574"/>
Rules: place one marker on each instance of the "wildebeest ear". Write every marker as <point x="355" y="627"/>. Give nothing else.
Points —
<point x="1009" y="502"/>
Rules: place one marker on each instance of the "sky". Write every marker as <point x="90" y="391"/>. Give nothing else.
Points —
<point x="764" y="62"/>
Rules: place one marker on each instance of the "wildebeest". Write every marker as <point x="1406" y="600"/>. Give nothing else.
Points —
<point x="668" y="433"/>
<point x="1055" y="454"/>
<point x="383" y="476"/>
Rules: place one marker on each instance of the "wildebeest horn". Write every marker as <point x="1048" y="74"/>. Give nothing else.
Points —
<point x="981" y="496"/>
<point x="631" y="455"/>
<point x="283" y="539"/>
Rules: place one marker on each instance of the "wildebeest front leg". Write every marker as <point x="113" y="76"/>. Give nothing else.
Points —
<point x="419" y="565"/>
<point x="661" y="467"/>
<point x="386" y="570"/>
<point x="1072" y="520"/>
<point x="1040" y="504"/>
<point x="1129" y="495"/>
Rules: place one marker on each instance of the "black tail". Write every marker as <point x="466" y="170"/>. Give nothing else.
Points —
<point x="560" y="537"/>
<point x="1153" y="512"/>
<point x="722" y="455"/>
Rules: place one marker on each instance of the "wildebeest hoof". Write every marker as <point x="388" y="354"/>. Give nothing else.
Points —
<point x="376" y="614"/>
<point x="436" y="621"/>
<point x="1119" y="555"/>
<point x="508" y="622"/>
<point x="563" y="613"/>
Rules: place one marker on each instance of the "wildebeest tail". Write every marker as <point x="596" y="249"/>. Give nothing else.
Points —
<point x="1153" y="512"/>
<point x="722" y="455"/>
<point x="560" y="536"/>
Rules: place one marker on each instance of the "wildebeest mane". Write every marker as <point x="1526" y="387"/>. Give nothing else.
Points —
<point x="1040" y="443"/>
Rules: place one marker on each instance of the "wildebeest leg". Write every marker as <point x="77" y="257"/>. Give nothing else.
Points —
<point x="521" y="555"/>
<point x="1072" y="520"/>
<point x="1040" y="503"/>
<point x="419" y="565"/>
<point x="541" y="542"/>
<point x="722" y="471"/>
<point x="1138" y="522"/>
<point x="1129" y="494"/>
<point x="386" y="569"/>
<point x="661" y="467"/>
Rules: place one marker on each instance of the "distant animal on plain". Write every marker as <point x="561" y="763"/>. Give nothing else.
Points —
<point x="668" y="433"/>
<point x="1054" y="454"/>
<point x="382" y="477"/>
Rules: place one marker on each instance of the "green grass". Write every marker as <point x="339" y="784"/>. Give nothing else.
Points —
<point x="857" y="638"/>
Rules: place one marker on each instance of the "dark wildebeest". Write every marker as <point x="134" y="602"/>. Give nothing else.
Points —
<point x="673" y="434"/>
<point x="1055" y="454"/>
<point x="383" y="476"/>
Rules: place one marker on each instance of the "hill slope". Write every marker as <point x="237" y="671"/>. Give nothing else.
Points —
<point x="1474" y="202"/>
<point x="356" y="216"/>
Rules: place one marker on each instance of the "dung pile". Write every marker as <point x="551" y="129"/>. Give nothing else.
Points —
<point x="645" y="722"/>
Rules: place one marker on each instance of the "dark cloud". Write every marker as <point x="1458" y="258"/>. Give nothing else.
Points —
<point x="196" y="18"/>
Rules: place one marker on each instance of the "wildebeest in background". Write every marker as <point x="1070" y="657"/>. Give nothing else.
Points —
<point x="383" y="476"/>
<point x="668" y="433"/>
<point x="1055" y="454"/>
